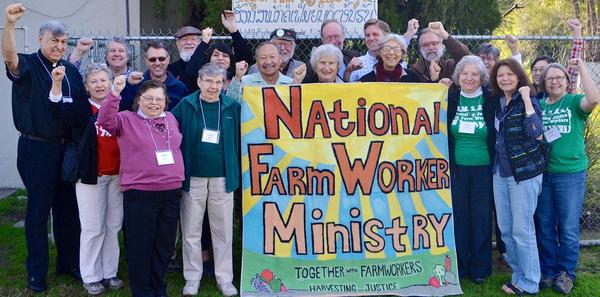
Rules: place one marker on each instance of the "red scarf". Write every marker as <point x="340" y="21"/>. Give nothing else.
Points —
<point x="383" y="75"/>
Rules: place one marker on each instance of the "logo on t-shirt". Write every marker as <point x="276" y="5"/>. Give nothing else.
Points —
<point x="559" y="118"/>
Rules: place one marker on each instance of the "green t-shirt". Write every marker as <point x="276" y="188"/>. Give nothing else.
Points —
<point x="568" y="152"/>
<point x="208" y="158"/>
<point x="470" y="141"/>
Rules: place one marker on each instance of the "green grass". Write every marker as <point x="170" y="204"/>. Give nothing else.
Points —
<point x="13" y="273"/>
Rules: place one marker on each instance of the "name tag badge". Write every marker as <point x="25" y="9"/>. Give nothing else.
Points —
<point x="552" y="134"/>
<point x="210" y="136"/>
<point x="165" y="158"/>
<point x="67" y="100"/>
<point x="497" y="124"/>
<point x="466" y="127"/>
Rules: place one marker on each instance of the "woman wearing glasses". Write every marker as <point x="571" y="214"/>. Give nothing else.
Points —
<point x="210" y="124"/>
<point x="151" y="176"/>
<point x="391" y="50"/>
<point x="563" y="188"/>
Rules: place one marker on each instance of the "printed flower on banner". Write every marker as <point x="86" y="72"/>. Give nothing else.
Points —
<point x="266" y="282"/>
<point x="442" y="274"/>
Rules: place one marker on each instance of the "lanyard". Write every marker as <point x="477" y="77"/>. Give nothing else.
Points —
<point x="559" y="105"/>
<point x="50" y="75"/>
<point x="168" y="134"/>
<point x="218" y="116"/>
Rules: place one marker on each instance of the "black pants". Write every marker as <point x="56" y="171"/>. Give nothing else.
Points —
<point x="40" y="167"/>
<point x="472" y="207"/>
<point x="151" y="221"/>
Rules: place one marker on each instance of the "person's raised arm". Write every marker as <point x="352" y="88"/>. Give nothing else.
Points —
<point x="12" y="14"/>
<point x="240" y="45"/>
<point x="108" y="113"/>
<point x="84" y="45"/>
<point x="576" y="52"/>
<point x="590" y="89"/>
<point x="456" y="48"/>
<point x="411" y="29"/>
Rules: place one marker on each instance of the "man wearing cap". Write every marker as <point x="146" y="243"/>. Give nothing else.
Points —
<point x="188" y="39"/>
<point x="36" y="114"/>
<point x="285" y="40"/>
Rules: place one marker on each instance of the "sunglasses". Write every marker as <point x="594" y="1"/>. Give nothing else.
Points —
<point x="153" y="59"/>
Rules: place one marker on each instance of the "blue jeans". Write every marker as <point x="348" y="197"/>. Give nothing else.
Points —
<point x="472" y="207"/>
<point x="515" y="207"/>
<point x="557" y="222"/>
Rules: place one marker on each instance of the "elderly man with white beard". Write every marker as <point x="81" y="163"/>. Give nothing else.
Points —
<point x="188" y="39"/>
<point x="433" y="42"/>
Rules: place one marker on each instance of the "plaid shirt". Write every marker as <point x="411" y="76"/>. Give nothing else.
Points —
<point x="576" y="52"/>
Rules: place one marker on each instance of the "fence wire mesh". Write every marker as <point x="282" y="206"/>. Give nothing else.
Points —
<point x="531" y="47"/>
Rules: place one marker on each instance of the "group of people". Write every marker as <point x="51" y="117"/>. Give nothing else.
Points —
<point x="155" y="151"/>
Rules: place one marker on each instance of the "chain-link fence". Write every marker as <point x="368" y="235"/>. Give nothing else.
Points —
<point x="558" y="47"/>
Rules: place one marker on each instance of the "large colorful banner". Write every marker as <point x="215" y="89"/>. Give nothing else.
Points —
<point x="346" y="191"/>
<point x="258" y="18"/>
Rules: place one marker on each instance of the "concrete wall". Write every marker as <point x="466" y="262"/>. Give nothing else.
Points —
<point x="82" y="17"/>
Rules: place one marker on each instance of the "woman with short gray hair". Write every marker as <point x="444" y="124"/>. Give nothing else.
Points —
<point x="390" y="53"/>
<point x="97" y="186"/>
<point x="325" y="61"/>
<point x="471" y="141"/>
<point x="210" y="123"/>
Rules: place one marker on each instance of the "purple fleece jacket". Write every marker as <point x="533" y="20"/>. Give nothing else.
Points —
<point x="139" y="167"/>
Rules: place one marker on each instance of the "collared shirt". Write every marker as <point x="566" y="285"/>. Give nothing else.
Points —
<point x="367" y="61"/>
<point x="255" y="79"/>
<point x="33" y="113"/>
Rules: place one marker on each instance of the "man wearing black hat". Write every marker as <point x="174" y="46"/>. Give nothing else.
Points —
<point x="285" y="40"/>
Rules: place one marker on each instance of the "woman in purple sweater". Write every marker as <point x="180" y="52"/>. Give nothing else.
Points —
<point x="151" y="178"/>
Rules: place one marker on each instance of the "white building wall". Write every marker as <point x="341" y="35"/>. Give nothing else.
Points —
<point x="81" y="17"/>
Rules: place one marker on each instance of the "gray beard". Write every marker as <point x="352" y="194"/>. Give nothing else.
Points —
<point x="185" y="56"/>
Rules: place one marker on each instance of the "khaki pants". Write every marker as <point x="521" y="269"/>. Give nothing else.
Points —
<point x="207" y="194"/>
<point x="101" y="216"/>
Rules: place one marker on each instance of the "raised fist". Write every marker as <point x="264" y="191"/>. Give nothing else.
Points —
<point x="524" y="91"/>
<point x="299" y="74"/>
<point x="575" y="26"/>
<point x="119" y="84"/>
<point x="438" y="29"/>
<point x="135" y="78"/>
<point x="240" y="69"/>
<point x="412" y="27"/>
<point x="58" y="73"/>
<point x="14" y="12"/>
<point x="84" y="45"/>
<point x="576" y="63"/>
<point x="513" y="43"/>
<point x="355" y="64"/>
<point x="207" y="34"/>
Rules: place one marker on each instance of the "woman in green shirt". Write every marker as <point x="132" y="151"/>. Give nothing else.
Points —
<point x="471" y="138"/>
<point x="563" y="188"/>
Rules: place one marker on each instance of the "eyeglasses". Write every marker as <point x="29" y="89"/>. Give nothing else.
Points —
<point x="211" y="82"/>
<point x="388" y="48"/>
<point x="152" y="99"/>
<point x="153" y="59"/>
<point x="536" y="70"/>
<point x="558" y="78"/>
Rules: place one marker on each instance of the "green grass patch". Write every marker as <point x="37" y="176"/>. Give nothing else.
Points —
<point x="13" y="273"/>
